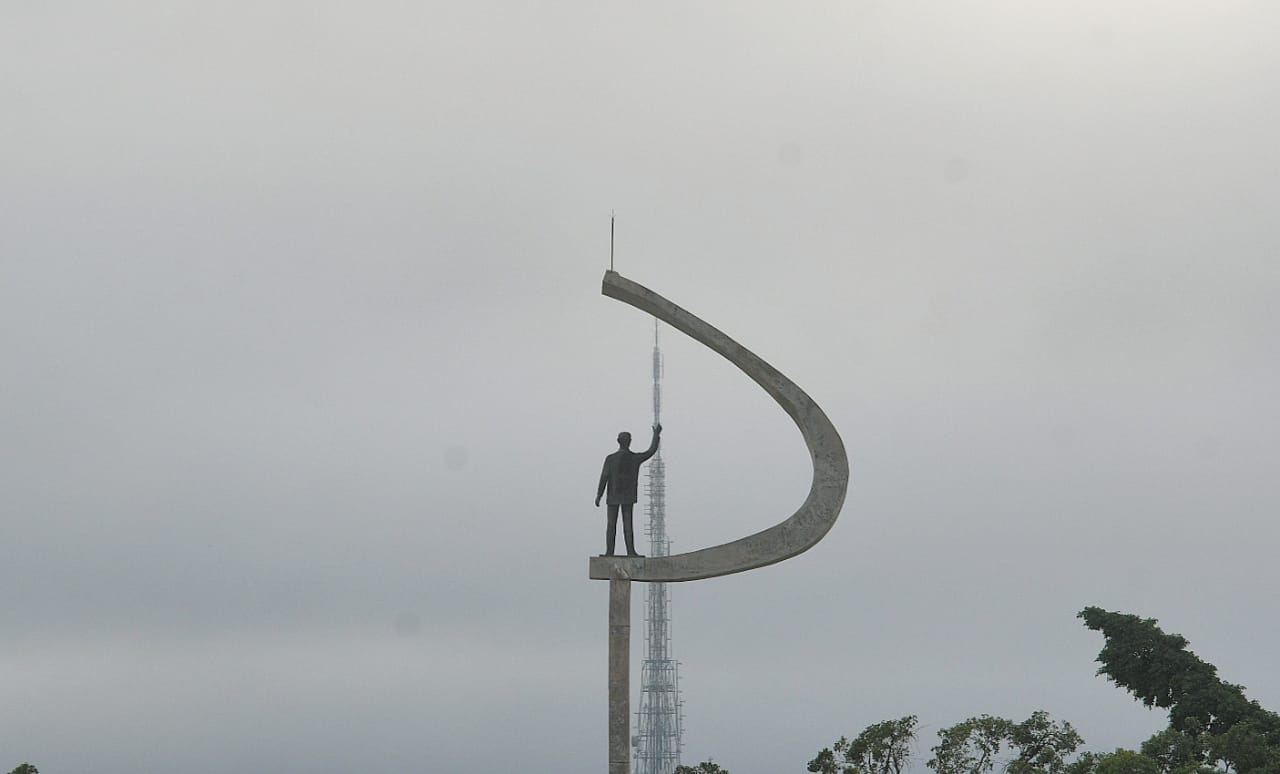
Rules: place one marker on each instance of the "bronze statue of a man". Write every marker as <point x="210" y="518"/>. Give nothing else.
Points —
<point x="621" y="477"/>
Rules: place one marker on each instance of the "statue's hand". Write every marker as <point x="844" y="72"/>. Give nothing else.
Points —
<point x="657" y="429"/>
<point x="597" y="501"/>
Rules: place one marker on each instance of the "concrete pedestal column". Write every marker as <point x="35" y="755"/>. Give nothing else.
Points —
<point x="619" y="676"/>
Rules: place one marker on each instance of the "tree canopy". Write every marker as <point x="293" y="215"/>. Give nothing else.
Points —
<point x="1213" y="727"/>
<point x="1210" y="721"/>
<point x="706" y="767"/>
<point x="881" y="748"/>
<point x="1037" y="745"/>
<point x="970" y="746"/>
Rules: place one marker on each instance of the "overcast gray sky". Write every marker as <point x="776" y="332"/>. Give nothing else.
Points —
<point x="307" y="376"/>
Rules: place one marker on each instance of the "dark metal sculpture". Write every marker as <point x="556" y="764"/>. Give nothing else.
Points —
<point x="621" y="478"/>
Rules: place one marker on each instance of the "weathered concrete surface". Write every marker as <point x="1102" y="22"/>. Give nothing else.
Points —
<point x="619" y="677"/>
<point x="802" y="529"/>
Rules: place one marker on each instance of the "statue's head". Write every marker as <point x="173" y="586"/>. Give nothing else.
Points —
<point x="624" y="439"/>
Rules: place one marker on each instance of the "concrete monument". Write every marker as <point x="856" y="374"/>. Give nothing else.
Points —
<point x="796" y="534"/>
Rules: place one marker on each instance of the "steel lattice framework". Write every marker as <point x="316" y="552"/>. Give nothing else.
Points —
<point x="660" y="719"/>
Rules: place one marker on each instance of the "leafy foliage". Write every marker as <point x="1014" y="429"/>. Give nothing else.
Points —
<point x="1247" y="747"/>
<point x="1213" y="727"/>
<point x="884" y="748"/>
<point x="1216" y="721"/>
<point x="706" y="767"/>
<point x="971" y="746"/>
<point x="828" y="760"/>
<point x="25" y="768"/>
<point x="1042" y="745"/>
<point x="1039" y="745"/>
<point x="881" y="748"/>
<point x="1176" y="752"/>
<point x="1118" y="762"/>
<point x="1159" y="671"/>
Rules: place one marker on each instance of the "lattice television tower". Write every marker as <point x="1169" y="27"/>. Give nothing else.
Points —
<point x="659" y="727"/>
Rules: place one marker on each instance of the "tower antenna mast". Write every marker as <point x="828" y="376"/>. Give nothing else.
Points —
<point x="660" y="720"/>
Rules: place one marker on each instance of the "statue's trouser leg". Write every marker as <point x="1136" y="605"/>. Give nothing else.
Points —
<point x="611" y="531"/>
<point x="628" y="533"/>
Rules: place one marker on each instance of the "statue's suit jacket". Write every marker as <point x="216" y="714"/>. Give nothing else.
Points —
<point x="621" y="474"/>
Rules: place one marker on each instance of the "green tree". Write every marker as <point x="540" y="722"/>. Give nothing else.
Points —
<point x="1039" y="745"/>
<point x="1178" y="752"/>
<point x="1119" y="762"/>
<point x="884" y="748"/>
<point x="706" y="767"/>
<point x="1219" y="723"/>
<point x="25" y="768"/>
<point x="970" y="747"/>
<point x="1042" y="745"/>
<point x="1246" y="748"/>
<point x="1160" y="672"/>
<point x="881" y="748"/>
<point x="828" y="760"/>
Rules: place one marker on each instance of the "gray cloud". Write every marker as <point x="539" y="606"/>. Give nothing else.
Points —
<point x="308" y="376"/>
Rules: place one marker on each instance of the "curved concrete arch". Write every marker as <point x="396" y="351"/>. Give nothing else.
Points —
<point x="802" y="529"/>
